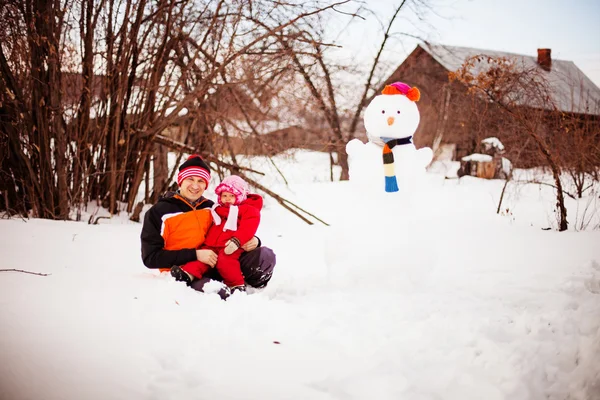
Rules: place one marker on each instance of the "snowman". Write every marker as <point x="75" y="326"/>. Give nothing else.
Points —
<point x="390" y="159"/>
<point x="396" y="228"/>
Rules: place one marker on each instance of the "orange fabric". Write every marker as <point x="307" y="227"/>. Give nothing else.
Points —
<point x="414" y="94"/>
<point x="186" y="230"/>
<point x="389" y="89"/>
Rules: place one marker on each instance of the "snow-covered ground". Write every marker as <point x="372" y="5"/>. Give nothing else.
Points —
<point x="433" y="297"/>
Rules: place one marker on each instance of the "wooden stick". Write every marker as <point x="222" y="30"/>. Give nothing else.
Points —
<point x="284" y="202"/>
<point x="281" y="201"/>
<point x="25" y="272"/>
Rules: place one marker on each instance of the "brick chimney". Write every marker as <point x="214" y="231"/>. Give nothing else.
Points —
<point x="544" y="59"/>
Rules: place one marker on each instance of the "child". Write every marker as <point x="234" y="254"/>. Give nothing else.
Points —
<point x="236" y="219"/>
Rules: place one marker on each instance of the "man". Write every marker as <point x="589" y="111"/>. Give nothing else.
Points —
<point x="175" y="227"/>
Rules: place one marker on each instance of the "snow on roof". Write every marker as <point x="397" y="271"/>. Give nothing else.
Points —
<point x="571" y="89"/>
<point x="477" y="157"/>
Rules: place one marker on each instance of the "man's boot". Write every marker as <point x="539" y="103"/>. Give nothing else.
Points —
<point x="180" y="275"/>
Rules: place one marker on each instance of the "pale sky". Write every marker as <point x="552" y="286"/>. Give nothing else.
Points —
<point x="570" y="28"/>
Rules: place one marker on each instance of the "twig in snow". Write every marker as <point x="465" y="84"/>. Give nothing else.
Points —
<point x="23" y="271"/>
<point x="99" y="218"/>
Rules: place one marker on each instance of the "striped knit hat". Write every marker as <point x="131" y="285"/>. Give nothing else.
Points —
<point x="413" y="94"/>
<point x="193" y="166"/>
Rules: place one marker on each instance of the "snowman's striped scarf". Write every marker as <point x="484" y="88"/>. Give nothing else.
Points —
<point x="391" y="184"/>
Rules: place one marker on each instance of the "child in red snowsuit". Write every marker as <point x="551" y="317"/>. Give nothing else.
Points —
<point x="236" y="219"/>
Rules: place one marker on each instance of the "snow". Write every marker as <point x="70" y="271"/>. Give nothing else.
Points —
<point x="430" y="297"/>
<point x="447" y="168"/>
<point x="477" y="157"/>
<point x="493" y="143"/>
<point x="506" y="166"/>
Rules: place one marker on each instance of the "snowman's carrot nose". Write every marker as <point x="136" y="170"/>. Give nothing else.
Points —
<point x="390" y="120"/>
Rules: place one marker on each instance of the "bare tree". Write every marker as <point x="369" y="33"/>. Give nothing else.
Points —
<point x="523" y="95"/>
<point x="87" y="89"/>
<point x="308" y="52"/>
<point x="577" y="139"/>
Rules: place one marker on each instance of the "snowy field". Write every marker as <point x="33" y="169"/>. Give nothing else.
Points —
<point x="428" y="297"/>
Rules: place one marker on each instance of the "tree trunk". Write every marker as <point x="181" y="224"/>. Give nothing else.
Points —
<point x="343" y="162"/>
<point x="58" y="131"/>
<point x="560" y="198"/>
<point x="161" y="170"/>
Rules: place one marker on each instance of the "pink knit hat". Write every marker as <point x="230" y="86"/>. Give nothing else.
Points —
<point x="235" y="185"/>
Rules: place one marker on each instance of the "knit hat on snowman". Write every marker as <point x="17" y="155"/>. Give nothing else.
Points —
<point x="412" y="93"/>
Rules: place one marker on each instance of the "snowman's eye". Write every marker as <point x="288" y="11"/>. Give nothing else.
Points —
<point x="383" y="111"/>
<point x="398" y="112"/>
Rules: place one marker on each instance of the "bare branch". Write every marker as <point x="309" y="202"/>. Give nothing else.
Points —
<point x="363" y="98"/>
<point x="284" y="202"/>
<point x="23" y="271"/>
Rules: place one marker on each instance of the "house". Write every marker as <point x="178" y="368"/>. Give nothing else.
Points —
<point x="447" y="116"/>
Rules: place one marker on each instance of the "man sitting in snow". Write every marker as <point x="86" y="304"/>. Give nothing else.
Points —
<point x="176" y="226"/>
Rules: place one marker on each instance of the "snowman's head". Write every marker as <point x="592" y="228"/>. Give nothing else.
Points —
<point x="393" y="114"/>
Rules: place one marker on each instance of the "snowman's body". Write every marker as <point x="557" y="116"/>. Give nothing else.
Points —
<point x="392" y="119"/>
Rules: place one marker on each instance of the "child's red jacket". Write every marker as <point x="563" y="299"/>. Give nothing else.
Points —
<point x="247" y="223"/>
